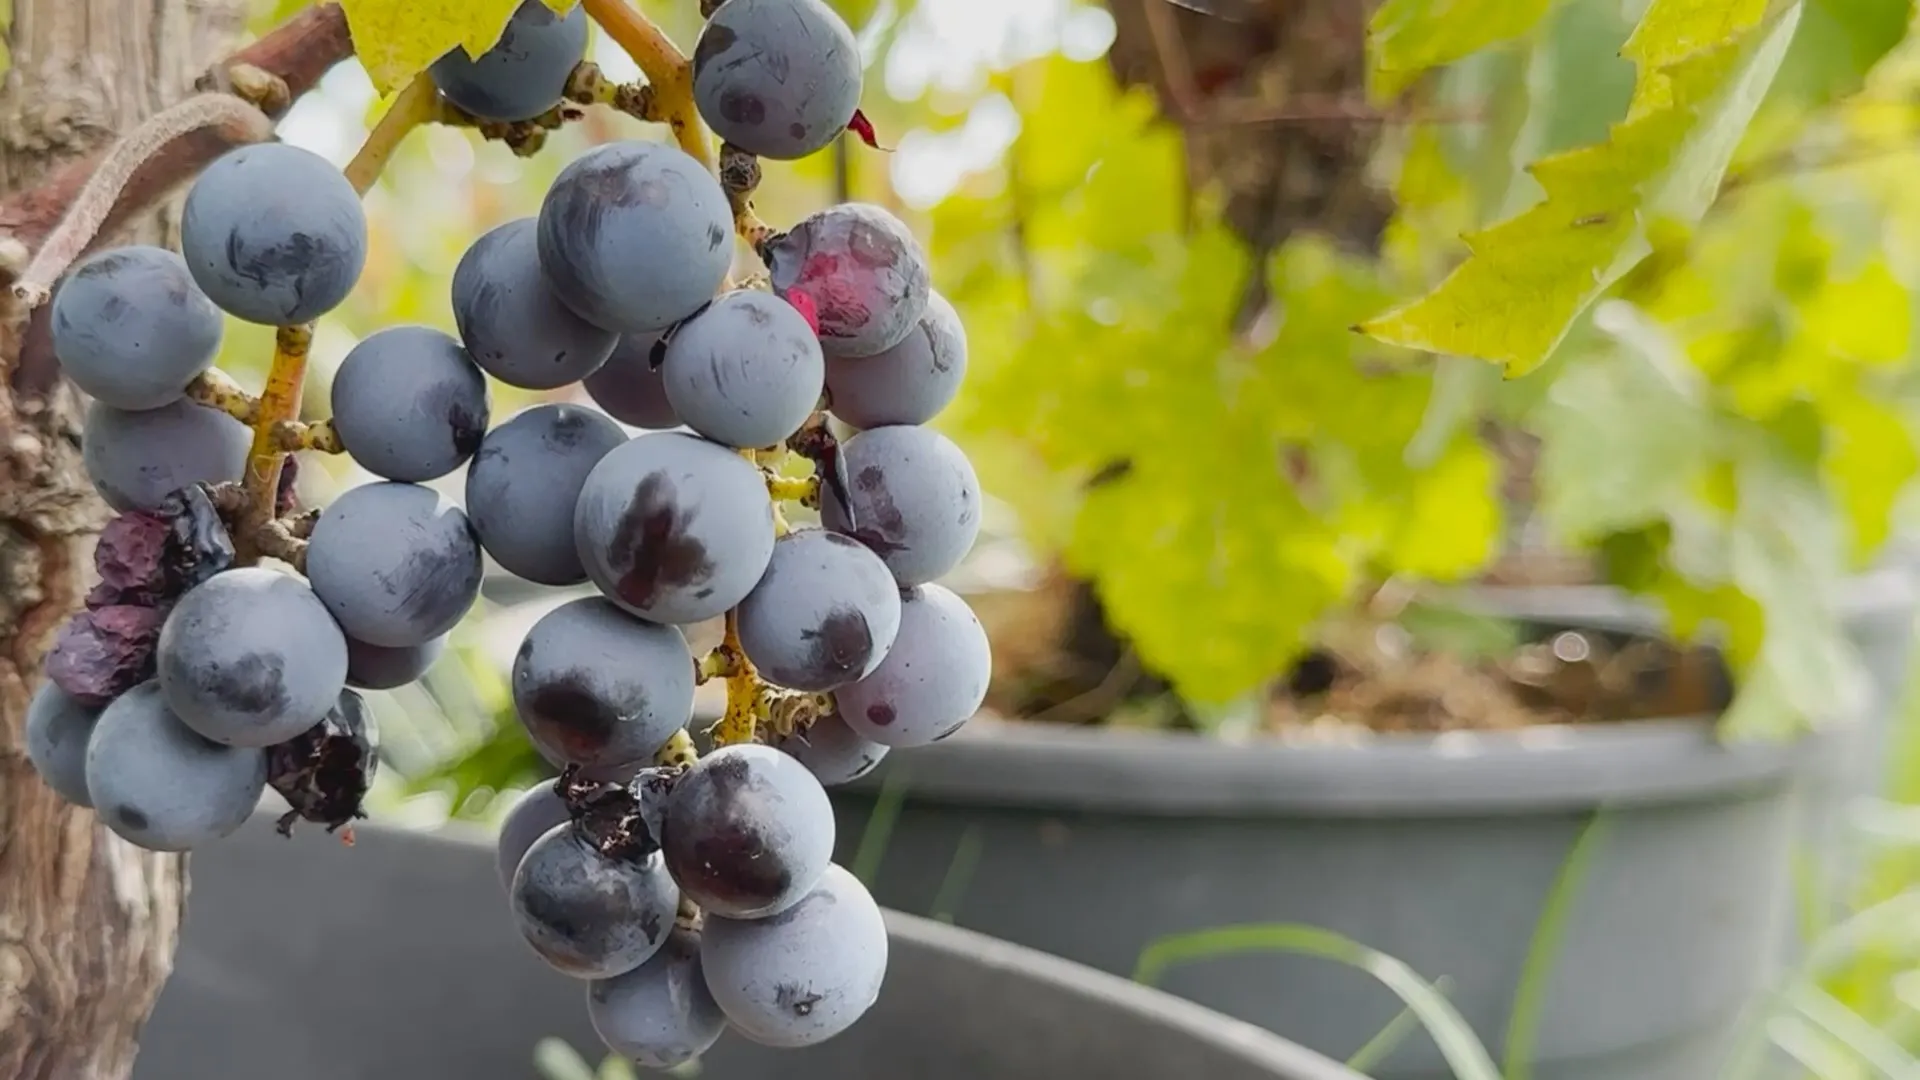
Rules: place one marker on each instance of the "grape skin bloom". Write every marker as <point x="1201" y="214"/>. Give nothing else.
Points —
<point x="588" y="915"/>
<point x="534" y="814"/>
<point x="746" y="372"/>
<point x="137" y="459"/>
<point x="396" y="564"/>
<point x="824" y="613"/>
<point x="832" y="751"/>
<point x="161" y="787"/>
<point x="524" y="483"/>
<point x="525" y="73"/>
<point x="862" y="271"/>
<point x="910" y="383"/>
<point x="747" y="831"/>
<point x="132" y="329"/>
<point x="635" y="236"/>
<point x="251" y="658"/>
<point x="933" y="680"/>
<point x="915" y="501"/>
<point x="660" y="1014"/>
<point x="805" y="975"/>
<point x="513" y="325"/>
<point x="409" y="404"/>
<point x="596" y="687"/>
<point x="628" y="387"/>
<point x="274" y="234"/>
<point x="778" y="78"/>
<point x="673" y="528"/>
<point x="58" y="728"/>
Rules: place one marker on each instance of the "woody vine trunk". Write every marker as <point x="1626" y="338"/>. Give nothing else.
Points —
<point x="88" y="923"/>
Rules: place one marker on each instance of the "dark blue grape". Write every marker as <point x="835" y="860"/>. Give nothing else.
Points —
<point x="396" y="564"/>
<point x="132" y="329"/>
<point x="524" y="73"/>
<point x="590" y="915"/>
<point x="746" y="372"/>
<point x="274" y="234"/>
<point x="824" y="613"/>
<point x="779" y="79"/>
<point x="933" y="679"/>
<point x="659" y="1015"/>
<point x="58" y="728"/>
<point x="409" y="404"/>
<point x="861" y="272"/>
<point x="832" y="751"/>
<point x="513" y="325"/>
<point x="160" y="786"/>
<point x="909" y="383"/>
<point x="524" y="483"/>
<point x="137" y="459"/>
<point x="915" y="501"/>
<point x="595" y="686"/>
<point x="383" y="667"/>
<point x="534" y="814"/>
<point x="629" y="388"/>
<point x="747" y="832"/>
<point x="635" y="236"/>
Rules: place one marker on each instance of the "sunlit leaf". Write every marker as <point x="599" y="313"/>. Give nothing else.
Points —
<point x="1703" y="69"/>
<point x="1408" y="37"/>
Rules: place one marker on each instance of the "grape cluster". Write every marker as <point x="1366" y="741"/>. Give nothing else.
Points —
<point x="692" y="894"/>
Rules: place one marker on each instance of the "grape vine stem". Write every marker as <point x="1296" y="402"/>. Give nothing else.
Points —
<point x="666" y="67"/>
<point x="741" y="722"/>
<point x="280" y="401"/>
<point x="418" y="103"/>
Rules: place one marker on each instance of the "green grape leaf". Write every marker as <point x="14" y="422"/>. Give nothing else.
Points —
<point x="398" y="39"/>
<point x="1408" y="37"/>
<point x="1703" y="69"/>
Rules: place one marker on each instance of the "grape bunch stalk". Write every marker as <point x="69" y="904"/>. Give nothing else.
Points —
<point x="232" y="634"/>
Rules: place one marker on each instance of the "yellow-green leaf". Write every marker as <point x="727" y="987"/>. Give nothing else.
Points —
<point x="398" y="39"/>
<point x="1703" y="70"/>
<point x="1408" y="37"/>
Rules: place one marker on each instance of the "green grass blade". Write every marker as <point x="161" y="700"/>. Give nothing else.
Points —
<point x="953" y="886"/>
<point x="1376" y="1049"/>
<point x="1462" y="1049"/>
<point x="879" y="830"/>
<point x="1852" y="1031"/>
<point x="558" y="1060"/>
<point x="1529" y="1001"/>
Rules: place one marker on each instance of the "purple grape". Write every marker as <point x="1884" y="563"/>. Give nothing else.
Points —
<point x="137" y="459"/>
<point x="586" y="914"/>
<point x="409" y="404"/>
<point x="661" y="1014"/>
<point x="251" y="658"/>
<point x="915" y="501"/>
<point x="909" y="383"/>
<point x="524" y="483"/>
<point x="274" y="234"/>
<point x="824" y="613"/>
<point x="382" y="667"/>
<point x="596" y="687"/>
<point x="131" y="558"/>
<point x="635" y="236"/>
<point x="628" y="387"/>
<point x="525" y="73"/>
<point x="162" y="787"/>
<point x="58" y="728"/>
<point x="513" y="325"/>
<point x="673" y="528"/>
<point x="933" y="679"/>
<point x="103" y="652"/>
<point x="396" y="564"/>
<point x="747" y="831"/>
<point x="780" y="79"/>
<point x="534" y="814"/>
<point x="833" y="752"/>
<point x="132" y="329"/>
<point x="746" y="372"/>
<point x="805" y="975"/>
<point x="862" y="273"/>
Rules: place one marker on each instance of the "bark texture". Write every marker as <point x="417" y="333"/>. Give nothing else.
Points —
<point x="87" y="923"/>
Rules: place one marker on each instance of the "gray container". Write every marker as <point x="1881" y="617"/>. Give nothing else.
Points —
<point x="1662" y="858"/>
<point x="395" y="960"/>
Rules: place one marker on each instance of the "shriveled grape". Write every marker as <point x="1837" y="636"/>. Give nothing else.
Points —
<point x="778" y="78"/>
<point x="595" y="686"/>
<point x="512" y="323"/>
<point x="824" y="613"/>
<point x="132" y="329"/>
<point x="915" y="501"/>
<point x="933" y="679"/>
<point x="746" y="372"/>
<point x="909" y="383"/>
<point x="409" y="404"/>
<point x="747" y="831"/>
<point x="674" y="528"/>
<point x="524" y="483"/>
<point x="251" y="658"/>
<point x="859" y="269"/>
<point x="805" y="975"/>
<point x="635" y="236"/>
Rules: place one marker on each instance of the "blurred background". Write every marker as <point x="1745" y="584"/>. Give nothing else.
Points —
<point x="1218" y="514"/>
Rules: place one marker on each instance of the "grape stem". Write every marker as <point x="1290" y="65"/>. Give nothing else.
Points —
<point x="741" y="721"/>
<point x="291" y="435"/>
<point x="740" y="178"/>
<point x="277" y="540"/>
<point x="666" y="68"/>
<point x="418" y="103"/>
<point x="279" y="402"/>
<point x="216" y="390"/>
<point x="678" y="752"/>
<point x="238" y="121"/>
<point x="804" y="490"/>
